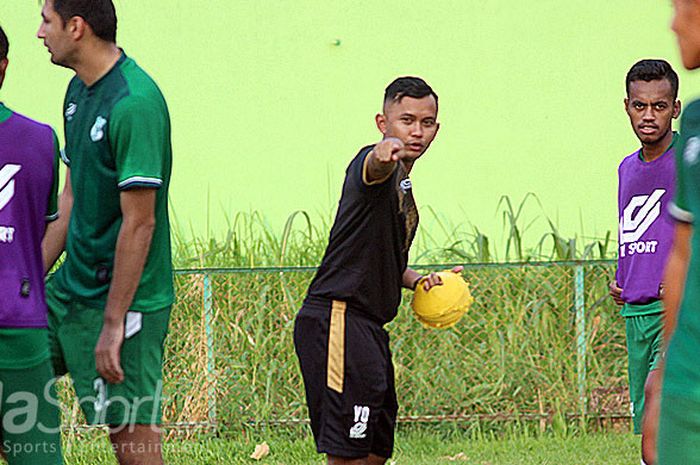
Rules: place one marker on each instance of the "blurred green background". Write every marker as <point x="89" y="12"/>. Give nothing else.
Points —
<point x="270" y="99"/>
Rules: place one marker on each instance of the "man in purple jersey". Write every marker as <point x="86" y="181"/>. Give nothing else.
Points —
<point x="29" y="415"/>
<point x="646" y="186"/>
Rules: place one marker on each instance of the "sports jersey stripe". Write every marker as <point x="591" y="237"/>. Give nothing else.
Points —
<point x="64" y="157"/>
<point x="679" y="214"/>
<point x="141" y="180"/>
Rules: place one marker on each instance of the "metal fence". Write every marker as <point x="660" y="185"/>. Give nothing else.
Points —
<point x="540" y="340"/>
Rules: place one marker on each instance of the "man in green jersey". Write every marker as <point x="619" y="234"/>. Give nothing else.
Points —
<point x="29" y="413"/>
<point x="110" y="300"/>
<point x="679" y="422"/>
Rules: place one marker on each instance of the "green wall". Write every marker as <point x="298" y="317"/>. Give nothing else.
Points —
<point x="267" y="109"/>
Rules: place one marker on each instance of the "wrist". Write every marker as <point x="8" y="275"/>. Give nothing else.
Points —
<point x="415" y="282"/>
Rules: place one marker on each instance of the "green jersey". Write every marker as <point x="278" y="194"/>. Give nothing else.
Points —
<point x="682" y="375"/>
<point x="117" y="138"/>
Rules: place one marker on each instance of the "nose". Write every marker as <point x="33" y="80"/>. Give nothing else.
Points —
<point x="648" y="114"/>
<point x="417" y="129"/>
<point x="40" y="33"/>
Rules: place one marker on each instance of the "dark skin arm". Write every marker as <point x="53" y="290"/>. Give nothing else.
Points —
<point x="133" y="243"/>
<point x="410" y="276"/>
<point x="382" y="160"/>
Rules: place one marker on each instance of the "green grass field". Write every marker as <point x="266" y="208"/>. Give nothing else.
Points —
<point x="413" y="447"/>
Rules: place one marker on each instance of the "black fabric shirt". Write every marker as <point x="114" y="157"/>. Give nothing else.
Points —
<point x="368" y="248"/>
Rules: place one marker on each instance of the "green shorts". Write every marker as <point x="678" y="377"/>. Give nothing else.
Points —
<point x="643" y="355"/>
<point x="30" y="430"/>
<point x="73" y="333"/>
<point x="678" y="441"/>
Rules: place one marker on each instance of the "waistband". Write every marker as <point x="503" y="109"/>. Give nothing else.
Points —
<point x="322" y="303"/>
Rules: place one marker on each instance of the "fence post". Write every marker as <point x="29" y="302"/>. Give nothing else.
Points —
<point x="581" y="344"/>
<point x="211" y="366"/>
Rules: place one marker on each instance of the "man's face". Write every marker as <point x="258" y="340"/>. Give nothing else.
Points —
<point x="55" y="35"/>
<point x="686" y="25"/>
<point x="651" y="108"/>
<point x="413" y="121"/>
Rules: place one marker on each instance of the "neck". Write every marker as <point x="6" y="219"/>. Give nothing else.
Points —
<point x="95" y="61"/>
<point x="651" y="152"/>
<point x="408" y="165"/>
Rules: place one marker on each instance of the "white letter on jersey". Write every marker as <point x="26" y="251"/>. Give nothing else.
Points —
<point x="7" y="184"/>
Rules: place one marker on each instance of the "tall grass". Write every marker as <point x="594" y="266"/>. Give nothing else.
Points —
<point x="250" y="240"/>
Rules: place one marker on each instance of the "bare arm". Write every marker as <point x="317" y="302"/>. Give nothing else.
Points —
<point x="133" y="243"/>
<point x="54" y="241"/>
<point x="675" y="275"/>
<point x="381" y="161"/>
<point x="411" y="278"/>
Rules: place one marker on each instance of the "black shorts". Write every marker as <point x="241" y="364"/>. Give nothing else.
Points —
<point x="349" y="380"/>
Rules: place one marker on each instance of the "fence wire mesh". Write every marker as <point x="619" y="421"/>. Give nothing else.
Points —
<point x="540" y="340"/>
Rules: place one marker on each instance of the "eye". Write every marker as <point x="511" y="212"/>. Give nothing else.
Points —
<point x="638" y="106"/>
<point x="406" y="120"/>
<point x="429" y="123"/>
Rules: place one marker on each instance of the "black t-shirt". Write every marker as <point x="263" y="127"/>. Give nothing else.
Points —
<point x="368" y="248"/>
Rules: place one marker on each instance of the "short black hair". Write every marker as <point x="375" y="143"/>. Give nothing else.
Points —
<point x="652" y="70"/>
<point x="408" y="86"/>
<point x="4" y="45"/>
<point x="99" y="14"/>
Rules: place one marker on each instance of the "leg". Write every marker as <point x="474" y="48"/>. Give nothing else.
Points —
<point x="650" y="423"/>
<point x="137" y="445"/>
<point x="334" y="460"/>
<point x="30" y="417"/>
<point x="376" y="460"/>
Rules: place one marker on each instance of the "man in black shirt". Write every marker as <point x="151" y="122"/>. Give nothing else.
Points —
<point x="357" y="289"/>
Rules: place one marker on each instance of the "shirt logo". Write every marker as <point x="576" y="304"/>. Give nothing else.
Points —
<point x="359" y="429"/>
<point x="405" y="185"/>
<point x="7" y="184"/>
<point x="97" y="132"/>
<point x="637" y="217"/>
<point x="692" y="149"/>
<point x="70" y="111"/>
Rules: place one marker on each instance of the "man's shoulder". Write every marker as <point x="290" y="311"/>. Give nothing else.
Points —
<point x="32" y="123"/>
<point x="140" y="84"/>
<point x="629" y="160"/>
<point x="691" y="115"/>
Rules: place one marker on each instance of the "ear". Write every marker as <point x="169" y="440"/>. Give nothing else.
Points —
<point x="77" y="27"/>
<point x="3" y="67"/>
<point x="676" y="109"/>
<point x="627" y="103"/>
<point x="380" y="120"/>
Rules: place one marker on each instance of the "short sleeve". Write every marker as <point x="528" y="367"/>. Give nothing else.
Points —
<point x="139" y="133"/>
<point x="52" y="205"/>
<point x="688" y="150"/>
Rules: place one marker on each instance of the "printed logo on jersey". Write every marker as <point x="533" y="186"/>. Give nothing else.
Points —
<point x="7" y="184"/>
<point x="70" y="111"/>
<point x="97" y="132"/>
<point x="405" y="185"/>
<point x="359" y="429"/>
<point x="637" y="217"/>
<point x="7" y="191"/>
<point x="692" y="150"/>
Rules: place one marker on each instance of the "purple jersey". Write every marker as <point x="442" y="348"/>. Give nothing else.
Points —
<point x="27" y="201"/>
<point x="646" y="229"/>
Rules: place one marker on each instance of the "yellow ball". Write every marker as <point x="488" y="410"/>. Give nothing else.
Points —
<point x="442" y="306"/>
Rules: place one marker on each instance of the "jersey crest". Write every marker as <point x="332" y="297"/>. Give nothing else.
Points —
<point x="97" y="132"/>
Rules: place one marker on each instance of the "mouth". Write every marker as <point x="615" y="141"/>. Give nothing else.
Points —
<point x="648" y="129"/>
<point x="415" y="146"/>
